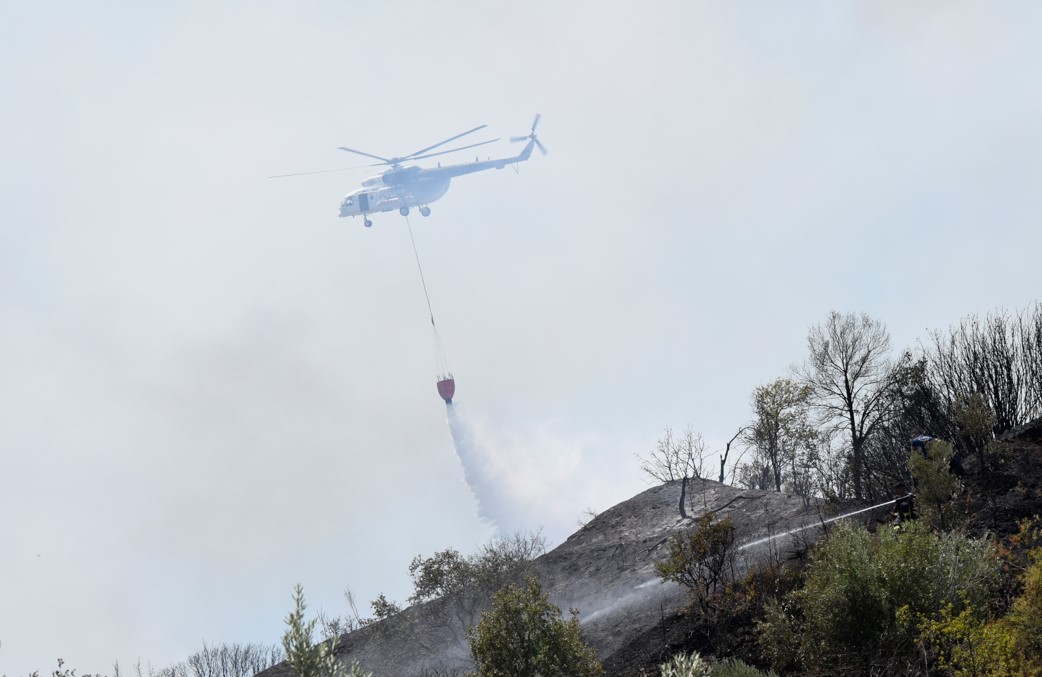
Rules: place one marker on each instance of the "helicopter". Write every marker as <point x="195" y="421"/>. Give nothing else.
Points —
<point x="403" y="187"/>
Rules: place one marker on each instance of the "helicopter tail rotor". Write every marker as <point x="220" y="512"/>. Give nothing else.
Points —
<point x="532" y="136"/>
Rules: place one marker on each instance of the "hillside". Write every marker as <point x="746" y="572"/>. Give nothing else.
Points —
<point x="606" y="571"/>
<point x="629" y="616"/>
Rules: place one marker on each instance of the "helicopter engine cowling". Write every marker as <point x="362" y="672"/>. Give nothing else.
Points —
<point x="399" y="175"/>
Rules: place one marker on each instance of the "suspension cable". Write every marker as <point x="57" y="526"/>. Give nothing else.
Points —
<point x="440" y="360"/>
<point x="416" y="253"/>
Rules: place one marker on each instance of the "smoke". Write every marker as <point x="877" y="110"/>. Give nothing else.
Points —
<point x="526" y="480"/>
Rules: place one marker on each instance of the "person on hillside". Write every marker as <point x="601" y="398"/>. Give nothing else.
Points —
<point x="921" y="444"/>
<point x="904" y="504"/>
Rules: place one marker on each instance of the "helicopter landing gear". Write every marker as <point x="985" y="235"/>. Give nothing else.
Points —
<point x="404" y="211"/>
<point x="367" y="223"/>
<point x="425" y="211"/>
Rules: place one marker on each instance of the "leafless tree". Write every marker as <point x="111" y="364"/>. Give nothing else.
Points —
<point x="727" y="451"/>
<point x="998" y="358"/>
<point x="586" y="516"/>
<point x="676" y="459"/>
<point x="1030" y="330"/>
<point x="222" y="660"/>
<point x="332" y="627"/>
<point x="756" y="474"/>
<point x="851" y="377"/>
<point x="917" y="408"/>
<point x="831" y="470"/>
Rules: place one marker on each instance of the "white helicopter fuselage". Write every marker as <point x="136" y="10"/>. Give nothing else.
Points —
<point x="401" y="188"/>
<point x="404" y="187"/>
<point x="420" y="191"/>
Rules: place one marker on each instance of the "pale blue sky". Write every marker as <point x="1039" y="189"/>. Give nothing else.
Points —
<point x="213" y="388"/>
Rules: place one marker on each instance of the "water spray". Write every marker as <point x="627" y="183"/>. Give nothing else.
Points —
<point x="638" y="590"/>
<point x="765" y="539"/>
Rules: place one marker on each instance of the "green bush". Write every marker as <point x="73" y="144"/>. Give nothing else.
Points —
<point x="968" y="644"/>
<point x="964" y="645"/>
<point x="1025" y="619"/>
<point x="524" y="635"/>
<point x="864" y="595"/>
<point x="702" y="559"/>
<point x="936" y="487"/>
<point x="685" y="665"/>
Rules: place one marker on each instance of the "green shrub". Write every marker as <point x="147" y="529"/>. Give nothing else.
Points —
<point x="865" y="596"/>
<point x="1025" y="619"/>
<point x="936" y="487"/>
<point x="685" y="665"/>
<point x="524" y="635"/>
<point x="964" y="645"/>
<point x="702" y="559"/>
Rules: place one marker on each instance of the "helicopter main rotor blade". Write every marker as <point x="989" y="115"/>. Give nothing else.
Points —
<point x="412" y="156"/>
<point x="320" y="171"/>
<point x="543" y="150"/>
<point x="358" y="152"/>
<point x="443" y="152"/>
<point x="536" y="121"/>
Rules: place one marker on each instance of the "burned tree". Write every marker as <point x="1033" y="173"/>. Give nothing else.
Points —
<point x="998" y="358"/>
<point x="676" y="459"/>
<point x="727" y="452"/>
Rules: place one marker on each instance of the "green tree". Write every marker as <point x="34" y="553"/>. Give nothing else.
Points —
<point x="306" y="658"/>
<point x="524" y="635"/>
<point x="936" y="488"/>
<point x="459" y="588"/>
<point x="782" y="435"/>
<point x="702" y="559"/>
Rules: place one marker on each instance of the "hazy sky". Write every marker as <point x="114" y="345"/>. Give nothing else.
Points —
<point x="213" y="388"/>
